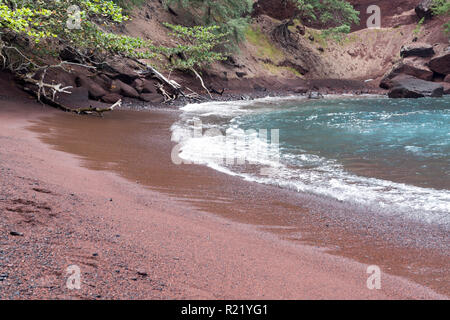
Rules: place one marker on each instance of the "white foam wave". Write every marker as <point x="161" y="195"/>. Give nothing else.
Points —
<point x="327" y="178"/>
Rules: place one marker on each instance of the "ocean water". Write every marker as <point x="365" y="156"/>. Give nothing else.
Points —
<point x="392" y="155"/>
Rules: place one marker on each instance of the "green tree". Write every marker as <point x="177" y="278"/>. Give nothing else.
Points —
<point x="338" y="13"/>
<point x="196" y="46"/>
<point x="442" y="8"/>
<point x="78" y="23"/>
<point x="229" y="15"/>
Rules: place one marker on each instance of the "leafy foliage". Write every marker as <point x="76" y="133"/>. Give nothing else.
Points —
<point x="229" y="15"/>
<point x="417" y="29"/>
<point x="339" y="13"/>
<point x="197" y="48"/>
<point x="442" y="8"/>
<point x="44" y="20"/>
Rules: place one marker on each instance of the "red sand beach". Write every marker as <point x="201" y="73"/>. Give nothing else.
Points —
<point x="147" y="230"/>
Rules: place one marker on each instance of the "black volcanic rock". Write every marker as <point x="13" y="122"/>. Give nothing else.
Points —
<point x="405" y="86"/>
<point x="407" y="67"/>
<point x="417" y="49"/>
<point x="441" y="64"/>
<point x="423" y="9"/>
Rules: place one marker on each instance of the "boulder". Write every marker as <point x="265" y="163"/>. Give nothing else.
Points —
<point x="119" y="87"/>
<point x="423" y="9"/>
<point x="107" y="81"/>
<point x="111" y="98"/>
<point x="301" y="90"/>
<point x="405" y="86"/>
<point x="258" y="87"/>
<point x="78" y="98"/>
<point x="301" y="29"/>
<point x="446" y="87"/>
<point x="447" y="78"/>
<point x="441" y="64"/>
<point x="154" y="98"/>
<point x="122" y="71"/>
<point x="96" y="91"/>
<point x="148" y="86"/>
<point x="408" y="67"/>
<point x="315" y="95"/>
<point x="115" y="86"/>
<point x="417" y="49"/>
<point x="138" y="84"/>
<point x="56" y="75"/>
<point x="128" y="91"/>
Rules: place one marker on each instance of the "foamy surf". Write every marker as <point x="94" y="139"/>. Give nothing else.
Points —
<point x="302" y="170"/>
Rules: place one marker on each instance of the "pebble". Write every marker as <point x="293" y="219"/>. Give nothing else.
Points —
<point x="15" y="233"/>
<point x="142" y="273"/>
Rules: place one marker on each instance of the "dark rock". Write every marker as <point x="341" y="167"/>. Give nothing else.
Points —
<point x="124" y="89"/>
<point x="257" y="87"/>
<point x="106" y="80"/>
<point x="154" y="98"/>
<point x="95" y="89"/>
<point x="148" y="86"/>
<point x="79" y="97"/>
<point x="405" y="86"/>
<point x="111" y="98"/>
<point x="407" y="67"/>
<point x="241" y="74"/>
<point x="311" y="38"/>
<point x="128" y="91"/>
<point x="441" y="64"/>
<point x="138" y="84"/>
<point x="142" y="273"/>
<point x="315" y="95"/>
<point x="446" y="87"/>
<point x="301" y="29"/>
<point x="56" y="75"/>
<point x="417" y="49"/>
<point x="301" y="90"/>
<point x="423" y="9"/>
<point x="115" y="86"/>
<point x="123" y="71"/>
<point x="16" y="234"/>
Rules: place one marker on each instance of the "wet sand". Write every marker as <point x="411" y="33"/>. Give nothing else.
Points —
<point x="141" y="227"/>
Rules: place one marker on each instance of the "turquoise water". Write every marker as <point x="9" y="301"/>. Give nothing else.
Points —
<point x="388" y="154"/>
<point x="404" y="141"/>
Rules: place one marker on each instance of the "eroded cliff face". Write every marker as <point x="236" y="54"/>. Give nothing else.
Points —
<point x="362" y="54"/>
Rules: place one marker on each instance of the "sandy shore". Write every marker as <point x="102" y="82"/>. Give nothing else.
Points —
<point x="151" y="237"/>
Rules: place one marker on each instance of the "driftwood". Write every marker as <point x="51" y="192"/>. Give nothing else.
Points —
<point x="150" y="70"/>
<point x="88" y="110"/>
<point x="46" y="93"/>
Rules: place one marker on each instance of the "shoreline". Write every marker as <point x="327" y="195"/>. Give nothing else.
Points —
<point x="166" y="248"/>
